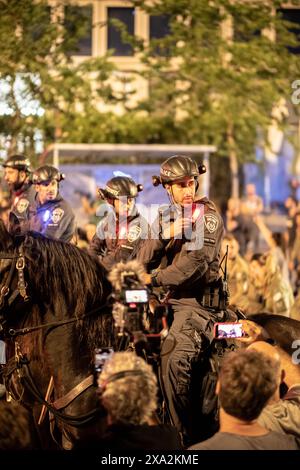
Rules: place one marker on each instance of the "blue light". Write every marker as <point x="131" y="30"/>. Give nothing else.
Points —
<point x="46" y="216"/>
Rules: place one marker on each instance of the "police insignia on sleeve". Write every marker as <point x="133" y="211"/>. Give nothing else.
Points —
<point x="211" y="222"/>
<point x="57" y="215"/>
<point x="22" y="205"/>
<point x="134" y="233"/>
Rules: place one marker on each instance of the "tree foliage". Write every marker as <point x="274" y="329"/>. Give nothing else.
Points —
<point x="36" y="71"/>
<point x="220" y="71"/>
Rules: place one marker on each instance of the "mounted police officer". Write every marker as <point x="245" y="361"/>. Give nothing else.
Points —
<point x="185" y="246"/>
<point x="17" y="177"/>
<point x="53" y="216"/>
<point x="122" y="229"/>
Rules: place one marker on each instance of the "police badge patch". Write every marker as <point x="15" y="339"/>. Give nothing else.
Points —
<point x="134" y="233"/>
<point x="22" y="205"/>
<point x="57" y="215"/>
<point x="211" y="222"/>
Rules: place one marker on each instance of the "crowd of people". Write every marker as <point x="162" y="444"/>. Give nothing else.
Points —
<point x="181" y="253"/>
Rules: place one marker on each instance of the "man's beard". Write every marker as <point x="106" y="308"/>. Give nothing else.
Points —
<point x="17" y="185"/>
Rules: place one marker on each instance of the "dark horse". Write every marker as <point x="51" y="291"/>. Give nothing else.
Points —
<point x="53" y="308"/>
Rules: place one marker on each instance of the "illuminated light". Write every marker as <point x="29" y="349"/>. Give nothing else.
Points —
<point x="46" y="216"/>
<point x="123" y="232"/>
<point x="132" y="305"/>
<point x="196" y="214"/>
<point x="16" y="200"/>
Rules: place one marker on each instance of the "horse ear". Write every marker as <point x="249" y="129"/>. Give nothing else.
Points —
<point x="6" y="240"/>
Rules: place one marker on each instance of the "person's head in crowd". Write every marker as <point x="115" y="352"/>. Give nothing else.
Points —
<point x="14" y="427"/>
<point x="290" y="203"/>
<point x="234" y="205"/>
<point x="272" y="353"/>
<point x="280" y="240"/>
<point x="257" y="269"/>
<point x="247" y="382"/>
<point x="128" y="389"/>
<point x="297" y="219"/>
<point x="46" y="180"/>
<point x="16" y="171"/>
<point x="233" y="246"/>
<point x="121" y="193"/>
<point x="250" y="190"/>
<point x="285" y="333"/>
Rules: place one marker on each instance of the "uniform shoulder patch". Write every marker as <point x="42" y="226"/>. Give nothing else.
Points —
<point x="22" y="205"/>
<point x="211" y="222"/>
<point x="134" y="233"/>
<point x="57" y="215"/>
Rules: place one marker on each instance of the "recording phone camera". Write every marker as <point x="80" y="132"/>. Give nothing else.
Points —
<point x="228" y="330"/>
<point x="101" y="355"/>
<point x="136" y="296"/>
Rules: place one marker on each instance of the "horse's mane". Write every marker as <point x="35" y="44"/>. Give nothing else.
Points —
<point x="57" y="268"/>
<point x="68" y="282"/>
<point x="283" y="330"/>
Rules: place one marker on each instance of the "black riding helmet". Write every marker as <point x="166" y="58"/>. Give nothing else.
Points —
<point x="18" y="162"/>
<point x="177" y="167"/>
<point x="47" y="173"/>
<point x="120" y="186"/>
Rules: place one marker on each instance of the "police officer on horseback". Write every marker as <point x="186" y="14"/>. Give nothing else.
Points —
<point x="121" y="230"/>
<point x="51" y="214"/>
<point x="17" y="176"/>
<point x="185" y="249"/>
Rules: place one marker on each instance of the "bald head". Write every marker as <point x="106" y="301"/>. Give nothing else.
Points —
<point x="271" y="352"/>
<point x="266" y="349"/>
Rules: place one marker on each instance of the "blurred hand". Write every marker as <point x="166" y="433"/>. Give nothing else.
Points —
<point x="252" y="331"/>
<point x="146" y="279"/>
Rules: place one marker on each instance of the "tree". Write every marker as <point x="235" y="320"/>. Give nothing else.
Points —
<point x="219" y="72"/>
<point x="41" y="89"/>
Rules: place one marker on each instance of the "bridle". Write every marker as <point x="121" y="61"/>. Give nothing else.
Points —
<point x="20" y="363"/>
<point x="19" y="265"/>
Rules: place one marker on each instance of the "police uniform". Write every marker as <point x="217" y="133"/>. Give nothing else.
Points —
<point x="113" y="244"/>
<point x="188" y="275"/>
<point x="53" y="219"/>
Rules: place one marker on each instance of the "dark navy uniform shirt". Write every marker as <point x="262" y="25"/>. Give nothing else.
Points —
<point x="54" y="219"/>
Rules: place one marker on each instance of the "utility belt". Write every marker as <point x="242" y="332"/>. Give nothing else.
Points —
<point x="213" y="296"/>
<point x="216" y="295"/>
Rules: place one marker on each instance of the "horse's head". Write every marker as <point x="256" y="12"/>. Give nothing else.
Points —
<point x="66" y="317"/>
<point x="12" y="263"/>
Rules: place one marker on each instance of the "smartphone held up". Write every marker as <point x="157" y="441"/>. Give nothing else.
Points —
<point x="228" y="330"/>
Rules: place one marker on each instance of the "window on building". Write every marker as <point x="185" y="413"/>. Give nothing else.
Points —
<point x="293" y="15"/>
<point x="78" y="21"/>
<point x="115" y="40"/>
<point x="159" y="26"/>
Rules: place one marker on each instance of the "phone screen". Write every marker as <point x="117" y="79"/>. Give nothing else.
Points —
<point x="228" y="330"/>
<point x="101" y="356"/>
<point x="136" y="296"/>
